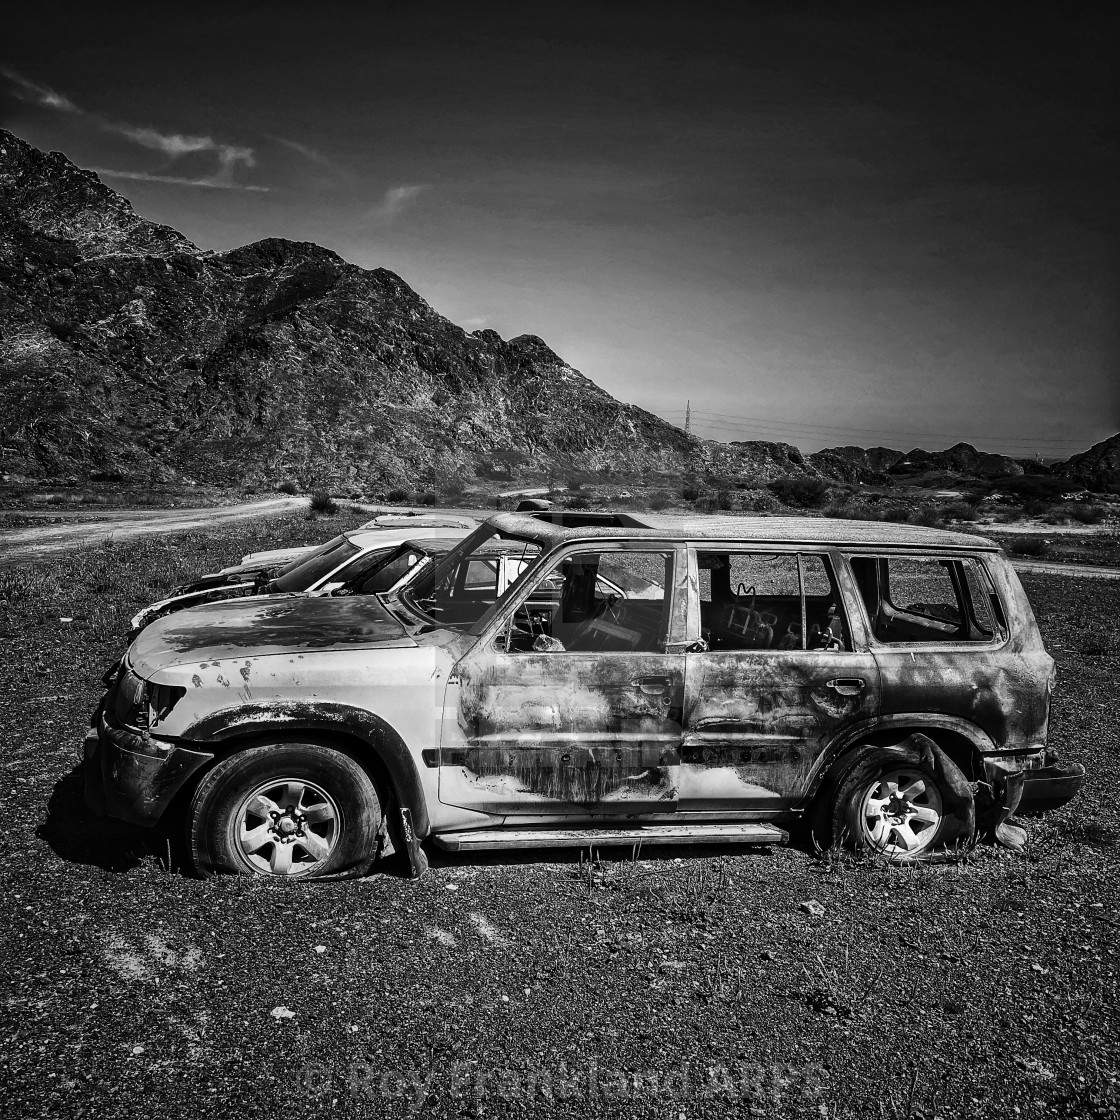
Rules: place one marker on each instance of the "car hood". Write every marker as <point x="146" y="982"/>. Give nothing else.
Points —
<point x="264" y="625"/>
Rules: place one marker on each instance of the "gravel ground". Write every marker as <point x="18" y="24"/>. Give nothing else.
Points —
<point x="691" y="984"/>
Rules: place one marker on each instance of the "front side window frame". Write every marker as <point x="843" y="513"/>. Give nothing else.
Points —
<point x="492" y="624"/>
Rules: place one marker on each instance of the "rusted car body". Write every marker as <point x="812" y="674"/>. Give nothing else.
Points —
<point x="345" y="561"/>
<point x="661" y="677"/>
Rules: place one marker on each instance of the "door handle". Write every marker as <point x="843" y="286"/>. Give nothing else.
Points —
<point x="653" y="686"/>
<point x="848" y="686"/>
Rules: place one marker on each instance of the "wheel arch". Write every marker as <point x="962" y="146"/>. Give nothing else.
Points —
<point x="963" y="742"/>
<point x="366" y="737"/>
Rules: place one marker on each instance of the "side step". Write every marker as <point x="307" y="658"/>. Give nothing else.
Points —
<point x="489" y="838"/>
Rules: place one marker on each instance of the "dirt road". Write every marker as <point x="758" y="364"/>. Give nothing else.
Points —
<point x="33" y="543"/>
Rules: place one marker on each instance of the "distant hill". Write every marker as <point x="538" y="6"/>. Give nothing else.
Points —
<point x="1097" y="467"/>
<point x="126" y="351"/>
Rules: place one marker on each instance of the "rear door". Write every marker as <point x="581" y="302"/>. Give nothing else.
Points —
<point x="782" y="669"/>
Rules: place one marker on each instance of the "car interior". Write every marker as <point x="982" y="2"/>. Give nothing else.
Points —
<point x="753" y="600"/>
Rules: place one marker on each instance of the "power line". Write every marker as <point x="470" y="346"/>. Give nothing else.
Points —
<point x="724" y="420"/>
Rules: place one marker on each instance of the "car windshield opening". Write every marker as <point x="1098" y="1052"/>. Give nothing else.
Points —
<point x="461" y="587"/>
<point x="310" y="569"/>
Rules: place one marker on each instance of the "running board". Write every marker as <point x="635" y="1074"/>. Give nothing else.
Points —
<point x="488" y="838"/>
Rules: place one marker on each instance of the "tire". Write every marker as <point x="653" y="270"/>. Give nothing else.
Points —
<point x="901" y="802"/>
<point x="284" y="810"/>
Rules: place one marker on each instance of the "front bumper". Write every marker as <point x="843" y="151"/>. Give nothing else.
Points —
<point x="134" y="777"/>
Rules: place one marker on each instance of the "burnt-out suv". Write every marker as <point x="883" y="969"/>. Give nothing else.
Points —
<point x="686" y="680"/>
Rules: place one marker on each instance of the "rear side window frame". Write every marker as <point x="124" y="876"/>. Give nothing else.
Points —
<point x="959" y="581"/>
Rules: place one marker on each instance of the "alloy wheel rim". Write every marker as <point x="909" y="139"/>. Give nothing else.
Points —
<point x="286" y="827"/>
<point x="900" y="812"/>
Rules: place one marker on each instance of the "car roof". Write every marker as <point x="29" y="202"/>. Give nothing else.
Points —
<point x="748" y="530"/>
<point x="388" y="538"/>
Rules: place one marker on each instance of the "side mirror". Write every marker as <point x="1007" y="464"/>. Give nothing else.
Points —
<point x="545" y="644"/>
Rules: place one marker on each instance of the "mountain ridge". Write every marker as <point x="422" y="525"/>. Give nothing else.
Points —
<point x="127" y="351"/>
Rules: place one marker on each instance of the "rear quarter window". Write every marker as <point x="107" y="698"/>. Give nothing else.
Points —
<point x="912" y="599"/>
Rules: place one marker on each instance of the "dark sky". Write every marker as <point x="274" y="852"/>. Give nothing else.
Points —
<point x="824" y="224"/>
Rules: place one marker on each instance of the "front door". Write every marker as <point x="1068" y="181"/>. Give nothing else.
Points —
<point x="782" y="674"/>
<point x="581" y="720"/>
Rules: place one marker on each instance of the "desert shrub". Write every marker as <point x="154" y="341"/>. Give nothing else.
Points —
<point x="659" y="501"/>
<point x="577" y="503"/>
<point x="1031" y="546"/>
<point x="896" y="513"/>
<point x="322" y="502"/>
<point x="959" y="511"/>
<point x="398" y="495"/>
<point x="428" y="498"/>
<point x="1035" y="507"/>
<point x="723" y="500"/>
<point x="690" y="491"/>
<point x="288" y="487"/>
<point x="928" y="515"/>
<point x="1028" y="486"/>
<point x="26" y="582"/>
<point x="1086" y="514"/>
<point x="852" y="511"/>
<point x="575" y="484"/>
<point x="806" y="493"/>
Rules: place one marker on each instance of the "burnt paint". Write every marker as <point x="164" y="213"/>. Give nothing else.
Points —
<point x="762" y="718"/>
<point x="264" y="626"/>
<point x="564" y="732"/>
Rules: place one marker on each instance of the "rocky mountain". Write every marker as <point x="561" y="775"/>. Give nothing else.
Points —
<point x="1098" y="467"/>
<point x="883" y="464"/>
<point x="127" y="352"/>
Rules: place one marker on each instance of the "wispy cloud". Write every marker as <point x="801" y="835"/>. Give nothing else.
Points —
<point x="305" y="150"/>
<point x="395" y="200"/>
<point x="230" y="157"/>
<point x="145" y="177"/>
<point x="27" y="90"/>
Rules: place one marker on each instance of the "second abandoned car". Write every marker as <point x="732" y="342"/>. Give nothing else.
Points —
<point x="657" y="679"/>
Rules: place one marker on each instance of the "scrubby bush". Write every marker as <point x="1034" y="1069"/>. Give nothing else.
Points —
<point x="1086" y="514"/>
<point x="1031" y="546"/>
<point x="804" y="492"/>
<point x="690" y="491"/>
<point x="959" y="511"/>
<point x="288" y="487"/>
<point x="928" y="515"/>
<point x="323" y="503"/>
<point x="659" y="502"/>
<point x="759" y="501"/>
<point x="575" y="484"/>
<point x="1036" y="508"/>
<point x="398" y="495"/>
<point x="577" y="503"/>
<point x="723" y="500"/>
<point x="896" y="513"/>
<point x="428" y="498"/>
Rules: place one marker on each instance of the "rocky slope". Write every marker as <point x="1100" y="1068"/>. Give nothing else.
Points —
<point x="1097" y="467"/>
<point x="125" y="351"/>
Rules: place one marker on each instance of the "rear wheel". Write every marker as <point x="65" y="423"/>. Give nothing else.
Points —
<point x="887" y="804"/>
<point x="285" y="810"/>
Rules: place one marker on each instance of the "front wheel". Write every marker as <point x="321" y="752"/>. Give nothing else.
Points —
<point x="284" y="810"/>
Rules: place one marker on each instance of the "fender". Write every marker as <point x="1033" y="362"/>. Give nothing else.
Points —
<point x="916" y="721"/>
<point x="336" y="720"/>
